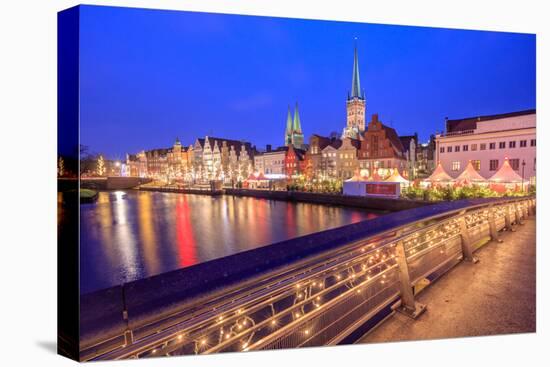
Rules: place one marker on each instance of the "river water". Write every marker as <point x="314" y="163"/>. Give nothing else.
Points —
<point x="129" y="235"/>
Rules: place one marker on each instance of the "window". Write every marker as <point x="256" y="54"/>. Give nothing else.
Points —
<point x="533" y="142"/>
<point x="457" y="148"/>
<point x="455" y="166"/>
<point x="522" y="143"/>
<point x="514" y="163"/>
<point x="493" y="164"/>
<point x="511" y="144"/>
<point x="492" y="146"/>
<point x="464" y="148"/>
<point x="474" y="147"/>
<point x="482" y="146"/>
<point x="476" y="164"/>
<point x="441" y="150"/>
<point x="502" y="145"/>
<point x="449" y="149"/>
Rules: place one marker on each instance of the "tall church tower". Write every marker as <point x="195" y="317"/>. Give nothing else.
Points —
<point x="288" y="131"/>
<point x="297" y="135"/>
<point x="355" y="105"/>
<point x="293" y="132"/>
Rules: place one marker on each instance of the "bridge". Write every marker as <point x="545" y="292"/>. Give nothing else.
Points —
<point x="366" y="282"/>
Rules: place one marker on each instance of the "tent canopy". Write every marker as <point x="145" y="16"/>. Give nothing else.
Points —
<point x="396" y="177"/>
<point x="470" y="174"/>
<point x="506" y="174"/>
<point x="439" y="175"/>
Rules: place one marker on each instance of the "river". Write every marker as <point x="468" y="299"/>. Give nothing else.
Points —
<point x="129" y="235"/>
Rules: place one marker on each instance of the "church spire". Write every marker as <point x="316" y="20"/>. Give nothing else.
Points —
<point x="297" y="127"/>
<point x="288" y="131"/>
<point x="355" y="83"/>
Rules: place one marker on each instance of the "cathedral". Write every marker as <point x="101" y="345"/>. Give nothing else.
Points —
<point x="355" y="105"/>
<point x="293" y="132"/>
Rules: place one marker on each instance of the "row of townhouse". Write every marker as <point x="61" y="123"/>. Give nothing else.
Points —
<point x="207" y="159"/>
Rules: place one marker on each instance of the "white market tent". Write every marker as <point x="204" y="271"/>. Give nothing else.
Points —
<point x="355" y="185"/>
<point x="439" y="176"/>
<point x="470" y="175"/>
<point x="396" y="177"/>
<point x="506" y="174"/>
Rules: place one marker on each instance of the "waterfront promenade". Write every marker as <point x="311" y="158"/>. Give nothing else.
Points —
<point x="494" y="296"/>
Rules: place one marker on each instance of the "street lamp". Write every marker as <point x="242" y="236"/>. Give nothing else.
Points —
<point x="522" y="174"/>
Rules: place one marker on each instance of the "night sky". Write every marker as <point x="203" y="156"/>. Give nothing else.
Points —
<point x="149" y="76"/>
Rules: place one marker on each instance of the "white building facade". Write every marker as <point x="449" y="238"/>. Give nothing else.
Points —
<point x="486" y="141"/>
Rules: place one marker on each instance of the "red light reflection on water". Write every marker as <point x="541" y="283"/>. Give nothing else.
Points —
<point x="187" y="247"/>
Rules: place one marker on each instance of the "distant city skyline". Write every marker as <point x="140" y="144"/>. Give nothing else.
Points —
<point x="148" y="77"/>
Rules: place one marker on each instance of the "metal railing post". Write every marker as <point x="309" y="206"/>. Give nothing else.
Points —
<point x="518" y="214"/>
<point x="493" y="225"/>
<point x="466" y="241"/>
<point x="508" y="218"/>
<point x="408" y="306"/>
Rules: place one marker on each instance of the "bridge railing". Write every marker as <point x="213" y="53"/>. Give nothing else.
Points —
<point x="329" y="297"/>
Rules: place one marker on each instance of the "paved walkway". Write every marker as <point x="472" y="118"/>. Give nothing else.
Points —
<point x="494" y="296"/>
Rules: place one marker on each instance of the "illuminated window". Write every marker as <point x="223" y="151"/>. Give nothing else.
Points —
<point x="455" y="166"/>
<point x="476" y="164"/>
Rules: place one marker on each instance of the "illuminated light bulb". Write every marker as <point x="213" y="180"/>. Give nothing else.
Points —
<point x="297" y="314"/>
<point x="382" y="282"/>
<point x="240" y="327"/>
<point x="180" y="337"/>
<point x="153" y="351"/>
<point x="239" y="310"/>
<point x="338" y="277"/>
<point x="244" y="322"/>
<point x="314" y="284"/>
<point x="306" y="332"/>
<point x="203" y="342"/>
<point x="227" y="336"/>
<point x="318" y="298"/>
<point x="245" y="345"/>
<point x="358" y="291"/>
<point x="297" y="285"/>
<point x="273" y="322"/>
<point x="300" y="295"/>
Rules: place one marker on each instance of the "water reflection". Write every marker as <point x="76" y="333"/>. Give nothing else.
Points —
<point x="132" y="235"/>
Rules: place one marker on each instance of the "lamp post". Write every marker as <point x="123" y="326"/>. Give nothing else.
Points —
<point x="522" y="173"/>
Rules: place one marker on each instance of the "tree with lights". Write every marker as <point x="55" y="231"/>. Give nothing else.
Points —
<point x="100" y="166"/>
<point x="60" y="167"/>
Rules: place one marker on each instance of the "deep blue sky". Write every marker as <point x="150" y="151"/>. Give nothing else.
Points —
<point x="149" y="76"/>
